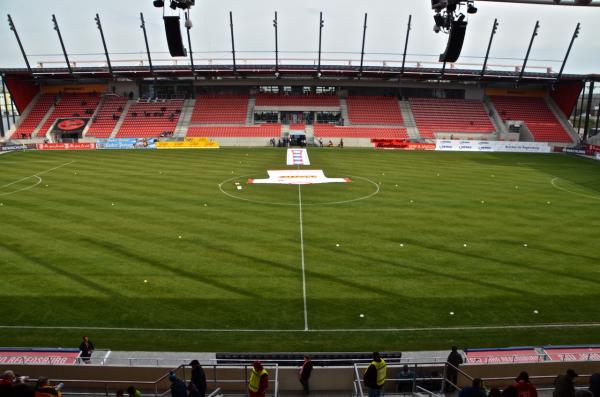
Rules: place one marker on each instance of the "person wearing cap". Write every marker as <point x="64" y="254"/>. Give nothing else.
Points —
<point x="564" y="385"/>
<point x="198" y="377"/>
<point x="375" y="375"/>
<point x="524" y="386"/>
<point x="259" y="380"/>
<point x="178" y="387"/>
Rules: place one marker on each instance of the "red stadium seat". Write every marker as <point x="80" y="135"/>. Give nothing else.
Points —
<point x="536" y="114"/>
<point x="220" y="109"/>
<point x="259" y="131"/>
<point x="331" y="131"/>
<point x="151" y="118"/>
<point x="104" y="122"/>
<point x="71" y="105"/>
<point x="450" y="115"/>
<point x="374" y="110"/>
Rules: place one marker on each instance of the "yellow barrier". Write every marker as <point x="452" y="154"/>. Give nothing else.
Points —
<point x="189" y="143"/>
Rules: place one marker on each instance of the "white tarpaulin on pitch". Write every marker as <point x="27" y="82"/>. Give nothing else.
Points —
<point x="298" y="177"/>
<point x="297" y="157"/>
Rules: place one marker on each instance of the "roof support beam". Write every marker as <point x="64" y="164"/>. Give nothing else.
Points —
<point x="143" y="27"/>
<point x="408" y="27"/>
<point x="232" y="41"/>
<point x="62" y="44"/>
<point x="562" y="67"/>
<point x="276" y="45"/>
<point x="99" y="25"/>
<point x="362" y="50"/>
<point x="321" y="24"/>
<point x="535" y="33"/>
<point x="14" y="29"/>
<point x="487" y="53"/>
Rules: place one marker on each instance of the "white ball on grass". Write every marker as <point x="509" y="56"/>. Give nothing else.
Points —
<point x="179" y="236"/>
<point x="535" y="312"/>
<point x="401" y="245"/>
<point x="361" y="315"/>
<point x="145" y="281"/>
<point x="205" y="204"/>
<point x="452" y="313"/>
<point x="337" y="245"/>
<point x="465" y="244"/>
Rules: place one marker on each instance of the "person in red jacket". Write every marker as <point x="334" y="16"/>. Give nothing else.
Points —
<point x="524" y="386"/>
<point x="259" y="380"/>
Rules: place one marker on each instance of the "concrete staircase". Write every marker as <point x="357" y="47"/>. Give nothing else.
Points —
<point x="562" y="119"/>
<point x="42" y="122"/>
<point x="409" y="120"/>
<point x="497" y="121"/>
<point x="121" y="119"/>
<point x="183" y="123"/>
<point x="23" y="115"/>
<point x="344" y="111"/>
<point x="250" y="111"/>
<point x="87" y="127"/>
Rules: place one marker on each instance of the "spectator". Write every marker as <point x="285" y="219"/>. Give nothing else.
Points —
<point x="45" y="389"/>
<point x="198" y="377"/>
<point x="524" y="386"/>
<point x="6" y="383"/>
<point x="475" y="390"/>
<point x="87" y="348"/>
<point x="120" y="393"/>
<point x="510" y="391"/>
<point x="133" y="392"/>
<point x="495" y="392"/>
<point x="564" y="385"/>
<point x="21" y="388"/>
<point x="193" y="390"/>
<point x="304" y="374"/>
<point x="406" y="378"/>
<point x="178" y="388"/>
<point x="259" y="380"/>
<point x="455" y="360"/>
<point x="375" y="375"/>
<point x="595" y="384"/>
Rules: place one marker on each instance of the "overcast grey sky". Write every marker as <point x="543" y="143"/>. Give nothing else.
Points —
<point x="298" y="29"/>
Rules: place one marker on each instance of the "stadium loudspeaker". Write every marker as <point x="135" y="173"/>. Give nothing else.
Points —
<point x="455" y="41"/>
<point x="173" y="30"/>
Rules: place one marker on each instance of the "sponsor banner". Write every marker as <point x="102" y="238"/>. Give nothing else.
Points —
<point x="126" y="143"/>
<point x="67" y="146"/>
<point x="503" y="356"/>
<point x="71" y="125"/>
<point x="297" y="177"/>
<point x="573" y="150"/>
<point x="297" y="157"/>
<point x="54" y="357"/>
<point x="10" y="148"/>
<point x="491" y="146"/>
<point x="593" y="149"/>
<point x="573" y="353"/>
<point x="189" y="143"/>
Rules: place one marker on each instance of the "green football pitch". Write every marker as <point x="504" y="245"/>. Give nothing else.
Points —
<point x="159" y="250"/>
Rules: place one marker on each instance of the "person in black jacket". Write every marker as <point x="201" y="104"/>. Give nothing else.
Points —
<point x="178" y="387"/>
<point x="305" y="371"/>
<point x="455" y="359"/>
<point x="87" y="348"/>
<point x="198" y="377"/>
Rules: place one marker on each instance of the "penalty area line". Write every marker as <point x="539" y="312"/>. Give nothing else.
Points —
<point x="312" y="330"/>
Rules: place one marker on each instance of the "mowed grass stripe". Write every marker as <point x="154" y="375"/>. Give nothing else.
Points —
<point x="233" y="254"/>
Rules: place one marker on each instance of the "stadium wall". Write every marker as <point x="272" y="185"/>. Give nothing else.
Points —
<point x="565" y="95"/>
<point x="21" y="90"/>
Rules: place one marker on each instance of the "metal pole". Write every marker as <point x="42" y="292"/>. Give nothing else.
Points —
<point x="14" y="29"/>
<point x="487" y="53"/>
<point x="232" y="41"/>
<point x="586" y="127"/>
<point x="276" y="45"/>
<point x="62" y="44"/>
<point x="143" y="26"/>
<point x="443" y="70"/>
<point x="408" y="27"/>
<point x="5" y="105"/>
<point x="535" y="30"/>
<point x="362" y="50"/>
<point x="320" y="34"/>
<point x="1" y="127"/>
<point x="575" y="35"/>
<point x="190" y="44"/>
<point x="578" y="114"/>
<point x="99" y="24"/>
<point x="597" y="121"/>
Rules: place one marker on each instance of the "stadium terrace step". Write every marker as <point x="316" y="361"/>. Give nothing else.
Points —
<point x="150" y="119"/>
<point x="184" y="120"/>
<point x="107" y="116"/>
<point x="70" y="105"/>
<point x="220" y="109"/>
<point x="374" y="110"/>
<point x="434" y="115"/>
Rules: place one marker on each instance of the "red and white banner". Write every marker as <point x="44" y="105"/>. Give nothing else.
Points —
<point x="573" y="354"/>
<point x="502" y="356"/>
<point x="14" y="357"/>
<point x="67" y="146"/>
<point x="297" y="177"/>
<point x="297" y="157"/>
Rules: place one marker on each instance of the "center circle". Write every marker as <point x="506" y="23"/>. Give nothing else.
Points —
<point x="375" y="190"/>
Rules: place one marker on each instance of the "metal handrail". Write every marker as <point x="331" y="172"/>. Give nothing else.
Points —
<point x="421" y="389"/>
<point x="358" y="381"/>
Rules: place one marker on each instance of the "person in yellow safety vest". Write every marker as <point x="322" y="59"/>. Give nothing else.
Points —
<point x="374" y="377"/>
<point x="259" y="380"/>
<point x="45" y="389"/>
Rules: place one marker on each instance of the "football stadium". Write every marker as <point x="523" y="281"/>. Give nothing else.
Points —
<point x="262" y="198"/>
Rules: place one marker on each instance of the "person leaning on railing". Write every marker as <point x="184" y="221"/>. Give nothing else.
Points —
<point x="45" y="389"/>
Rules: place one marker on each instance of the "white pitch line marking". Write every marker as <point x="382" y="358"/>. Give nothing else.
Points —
<point x="407" y="329"/>
<point x="34" y="175"/>
<point x="302" y="257"/>
<point x="553" y="183"/>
